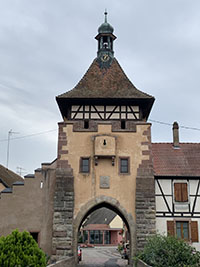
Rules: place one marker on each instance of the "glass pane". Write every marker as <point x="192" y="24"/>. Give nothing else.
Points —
<point x="96" y="237"/>
<point x="124" y="165"/>
<point x="107" y="237"/>
<point x="124" y="162"/>
<point x="124" y="169"/>
<point x="85" y="168"/>
<point x="91" y="237"/>
<point x="185" y="230"/>
<point x="85" y="165"/>
<point x="85" y="162"/>
<point x="101" y="237"/>
<point x="178" y="229"/>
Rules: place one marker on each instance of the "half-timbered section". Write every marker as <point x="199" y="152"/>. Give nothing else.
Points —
<point x="100" y="97"/>
<point x="97" y="112"/>
<point x="177" y="189"/>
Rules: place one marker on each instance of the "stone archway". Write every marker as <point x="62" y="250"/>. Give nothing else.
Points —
<point x="113" y="204"/>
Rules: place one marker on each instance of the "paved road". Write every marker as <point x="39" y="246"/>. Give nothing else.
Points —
<point x="101" y="257"/>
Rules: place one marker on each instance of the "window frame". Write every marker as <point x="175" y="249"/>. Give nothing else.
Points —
<point x="81" y="165"/>
<point x="193" y="230"/>
<point x="188" y="229"/>
<point x="128" y="165"/>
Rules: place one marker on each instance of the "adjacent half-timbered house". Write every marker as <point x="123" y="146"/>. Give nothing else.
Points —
<point x="177" y="182"/>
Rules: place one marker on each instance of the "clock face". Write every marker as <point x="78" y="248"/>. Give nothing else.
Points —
<point x="105" y="57"/>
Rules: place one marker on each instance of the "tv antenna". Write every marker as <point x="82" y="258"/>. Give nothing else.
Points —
<point x="8" y="147"/>
<point x="20" y="170"/>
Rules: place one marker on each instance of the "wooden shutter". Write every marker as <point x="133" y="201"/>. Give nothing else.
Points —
<point x="184" y="191"/>
<point x="170" y="228"/>
<point x="194" y="231"/>
<point x="177" y="192"/>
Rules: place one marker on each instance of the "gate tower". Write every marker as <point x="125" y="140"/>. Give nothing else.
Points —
<point x="104" y="152"/>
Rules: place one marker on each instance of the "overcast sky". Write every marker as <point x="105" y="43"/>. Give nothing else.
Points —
<point x="46" y="46"/>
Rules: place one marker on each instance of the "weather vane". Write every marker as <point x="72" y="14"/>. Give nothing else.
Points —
<point x="105" y="13"/>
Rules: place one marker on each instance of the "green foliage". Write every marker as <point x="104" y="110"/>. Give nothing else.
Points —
<point x="20" y="250"/>
<point x="169" y="251"/>
<point x="120" y="247"/>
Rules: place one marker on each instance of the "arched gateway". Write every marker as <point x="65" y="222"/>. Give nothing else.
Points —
<point x="112" y="204"/>
<point x="104" y="152"/>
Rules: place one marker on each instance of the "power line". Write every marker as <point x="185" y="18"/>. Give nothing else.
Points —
<point x="180" y="126"/>
<point x="161" y="122"/>
<point x="53" y="130"/>
<point x="29" y="135"/>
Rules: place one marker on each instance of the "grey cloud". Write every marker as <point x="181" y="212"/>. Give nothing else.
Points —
<point x="47" y="46"/>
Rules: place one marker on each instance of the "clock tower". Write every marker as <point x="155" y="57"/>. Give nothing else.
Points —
<point x="104" y="151"/>
<point x="105" y="38"/>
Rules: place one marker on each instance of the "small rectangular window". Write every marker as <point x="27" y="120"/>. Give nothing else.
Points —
<point x="124" y="165"/>
<point x="85" y="165"/>
<point x="86" y="124"/>
<point x="35" y="236"/>
<point x="123" y="124"/>
<point x="180" y="192"/>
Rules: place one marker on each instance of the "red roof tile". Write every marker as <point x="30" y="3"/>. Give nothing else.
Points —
<point x="170" y="161"/>
<point x="105" y="83"/>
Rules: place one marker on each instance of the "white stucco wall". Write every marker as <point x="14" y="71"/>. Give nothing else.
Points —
<point x="167" y="188"/>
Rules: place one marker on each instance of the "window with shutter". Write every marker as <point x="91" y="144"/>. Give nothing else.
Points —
<point x="180" y="192"/>
<point x="187" y="230"/>
<point x="194" y="231"/>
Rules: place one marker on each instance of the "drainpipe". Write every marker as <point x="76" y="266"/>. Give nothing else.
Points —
<point x="175" y="135"/>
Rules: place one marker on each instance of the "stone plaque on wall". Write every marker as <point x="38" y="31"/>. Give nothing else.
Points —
<point x="104" y="182"/>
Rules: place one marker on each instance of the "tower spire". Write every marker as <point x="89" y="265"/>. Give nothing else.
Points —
<point x="106" y="13"/>
<point x="105" y="40"/>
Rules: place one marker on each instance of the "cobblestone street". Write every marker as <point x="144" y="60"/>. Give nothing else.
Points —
<point x="102" y="257"/>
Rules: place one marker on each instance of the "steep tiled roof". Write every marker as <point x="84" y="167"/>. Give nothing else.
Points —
<point x="8" y="177"/>
<point x="182" y="161"/>
<point x="109" y="82"/>
<point x="101" y="216"/>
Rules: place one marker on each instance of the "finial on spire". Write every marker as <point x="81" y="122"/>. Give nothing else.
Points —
<point x="105" y="13"/>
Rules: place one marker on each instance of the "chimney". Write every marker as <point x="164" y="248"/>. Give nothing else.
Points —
<point x="175" y="135"/>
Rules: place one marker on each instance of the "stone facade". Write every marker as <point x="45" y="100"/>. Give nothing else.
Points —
<point x="78" y="194"/>
<point x="62" y="238"/>
<point x="145" y="197"/>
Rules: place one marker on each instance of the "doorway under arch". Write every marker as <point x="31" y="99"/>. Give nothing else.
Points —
<point x="112" y="204"/>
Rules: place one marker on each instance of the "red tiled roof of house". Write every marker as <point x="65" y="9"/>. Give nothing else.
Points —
<point x="170" y="161"/>
<point x="109" y="82"/>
